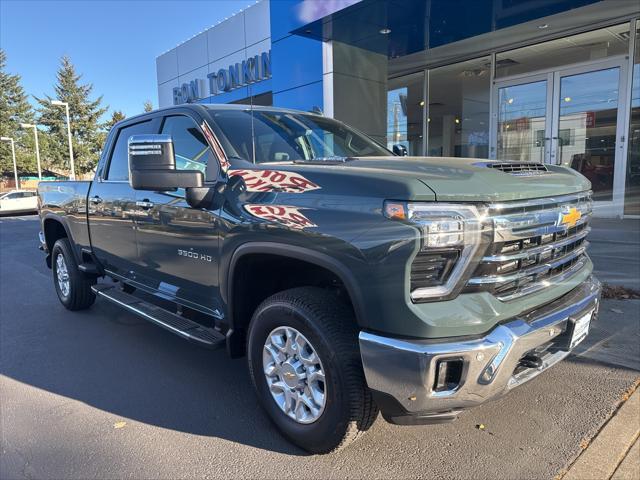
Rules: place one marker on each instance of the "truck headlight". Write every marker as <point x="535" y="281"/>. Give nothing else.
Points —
<point x="451" y="239"/>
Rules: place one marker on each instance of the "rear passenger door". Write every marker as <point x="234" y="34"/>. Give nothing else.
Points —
<point x="179" y="244"/>
<point x="112" y="206"/>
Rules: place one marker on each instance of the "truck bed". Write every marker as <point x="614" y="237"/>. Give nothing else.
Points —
<point x="67" y="201"/>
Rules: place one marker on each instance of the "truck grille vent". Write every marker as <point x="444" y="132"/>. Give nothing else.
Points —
<point x="536" y="244"/>
<point x="519" y="168"/>
<point x="432" y="268"/>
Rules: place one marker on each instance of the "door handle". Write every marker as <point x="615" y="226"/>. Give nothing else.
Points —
<point x="145" y="204"/>
<point x="95" y="199"/>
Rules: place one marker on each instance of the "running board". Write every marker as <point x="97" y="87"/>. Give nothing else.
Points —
<point x="183" y="327"/>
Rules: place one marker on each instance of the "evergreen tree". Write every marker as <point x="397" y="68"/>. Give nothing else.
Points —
<point x="116" y="116"/>
<point x="15" y="109"/>
<point x="148" y="106"/>
<point x="86" y="131"/>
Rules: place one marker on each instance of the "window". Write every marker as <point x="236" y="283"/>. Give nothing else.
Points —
<point x="458" y="109"/>
<point x="189" y="145"/>
<point x="119" y="164"/>
<point x="593" y="45"/>
<point x="405" y="105"/>
<point x="632" y="191"/>
<point x="282" y="137"/>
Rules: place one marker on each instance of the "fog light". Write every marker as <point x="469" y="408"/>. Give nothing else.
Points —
<point x="448" y="375"/>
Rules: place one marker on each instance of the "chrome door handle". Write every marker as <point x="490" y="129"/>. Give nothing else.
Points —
<point x="95" y="199"/>
<point x="145" y="204"/>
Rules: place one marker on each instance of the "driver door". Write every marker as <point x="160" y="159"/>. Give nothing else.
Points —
<point x="178" y="245"/>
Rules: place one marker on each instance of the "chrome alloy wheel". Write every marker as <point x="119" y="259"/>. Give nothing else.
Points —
<point x="63" y="275"/>
<point x="294" y="374"/>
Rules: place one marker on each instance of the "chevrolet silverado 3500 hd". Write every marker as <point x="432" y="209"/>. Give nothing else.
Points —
<point x="354" y="280"/>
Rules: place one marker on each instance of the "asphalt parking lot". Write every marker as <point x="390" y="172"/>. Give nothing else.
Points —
<point x="103" y="394"/>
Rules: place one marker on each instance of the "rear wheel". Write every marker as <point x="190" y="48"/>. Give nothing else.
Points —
<point x="72" y="286"/>
<point x="305" y="365"/>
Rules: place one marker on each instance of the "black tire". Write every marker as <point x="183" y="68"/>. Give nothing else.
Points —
<point x="80" y="295"/>
<point x="328" y="323"/>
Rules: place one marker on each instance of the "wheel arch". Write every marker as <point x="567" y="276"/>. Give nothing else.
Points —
<point x="332" y="266"/>
<point x="54" y="228"/>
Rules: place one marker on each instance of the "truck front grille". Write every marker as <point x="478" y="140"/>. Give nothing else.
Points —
<point x="536" y="244"/>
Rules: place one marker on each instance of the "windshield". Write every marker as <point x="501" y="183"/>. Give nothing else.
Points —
<point x="286" y="136"/>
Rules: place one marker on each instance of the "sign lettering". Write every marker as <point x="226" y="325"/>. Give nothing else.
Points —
<point x="252" y="70"/>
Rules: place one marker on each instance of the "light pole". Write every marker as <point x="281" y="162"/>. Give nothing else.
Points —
<point x="15" y="165"/>
<point x="35" y="133"/>
<point x="58" y="103"/>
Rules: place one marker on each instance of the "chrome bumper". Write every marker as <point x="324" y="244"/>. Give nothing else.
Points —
<point x="406" y="369"/>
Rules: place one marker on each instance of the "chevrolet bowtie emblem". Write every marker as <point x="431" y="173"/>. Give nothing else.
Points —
<point x="570" y="218"/>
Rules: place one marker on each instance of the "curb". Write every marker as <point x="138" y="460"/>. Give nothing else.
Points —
<point x="615" y="441"/>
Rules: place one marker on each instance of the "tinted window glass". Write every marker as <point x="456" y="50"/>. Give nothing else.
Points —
<point x="284" y="136"/>
<point x="119" y="164"/>
<point x="189" y="145"/>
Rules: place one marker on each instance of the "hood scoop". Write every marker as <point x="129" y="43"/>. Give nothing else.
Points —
<point x="520" y="169"/>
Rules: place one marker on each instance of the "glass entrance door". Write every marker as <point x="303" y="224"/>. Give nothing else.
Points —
<point x="572" y="117"/>
<point x="587" y="126"/>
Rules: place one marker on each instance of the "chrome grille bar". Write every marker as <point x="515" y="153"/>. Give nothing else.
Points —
<point x="540" y="203"/>
<point x="532" y="252"/>
<point x="548" y="282"/>
<point x="532" y="224"/>
<point x="527" y="272"/>
<point x="536" y="243"/>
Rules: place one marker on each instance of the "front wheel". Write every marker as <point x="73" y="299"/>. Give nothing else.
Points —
<point x="305" y="366"/>
<point x="72" y="286"/>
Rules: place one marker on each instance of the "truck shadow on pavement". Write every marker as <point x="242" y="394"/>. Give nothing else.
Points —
<point x="113" y="361"/>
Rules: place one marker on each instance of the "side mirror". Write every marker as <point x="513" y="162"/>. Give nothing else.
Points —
<point x="152" y="165"/>
<point x="400" y="149"/>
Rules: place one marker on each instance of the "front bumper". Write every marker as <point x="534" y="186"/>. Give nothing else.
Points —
<point x="402" y="373"/>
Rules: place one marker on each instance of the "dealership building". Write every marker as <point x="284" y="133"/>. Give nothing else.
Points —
<point x="553" y="81"/>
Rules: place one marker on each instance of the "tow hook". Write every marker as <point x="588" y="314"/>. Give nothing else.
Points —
<point x="531" y="360"/>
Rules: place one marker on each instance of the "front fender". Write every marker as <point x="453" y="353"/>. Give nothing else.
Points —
<point x="331" y="264"/>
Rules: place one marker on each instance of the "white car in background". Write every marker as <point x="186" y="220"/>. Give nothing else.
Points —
<point x="18" y="201"/>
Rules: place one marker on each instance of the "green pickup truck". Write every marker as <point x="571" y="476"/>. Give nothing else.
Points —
<point x="355" y="281"/>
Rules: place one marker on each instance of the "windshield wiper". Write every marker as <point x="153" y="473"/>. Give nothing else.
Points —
<point x="325" y="160"/>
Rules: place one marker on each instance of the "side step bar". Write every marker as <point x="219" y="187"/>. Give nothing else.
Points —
<point x="88" y="268"/>
<point x="183" y="327"/>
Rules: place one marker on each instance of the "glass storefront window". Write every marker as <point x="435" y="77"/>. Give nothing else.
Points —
<point x="584" y="47"/>
<point x="632" y="190"/>
<point x="405" y="106"/>
<point x="458" y="109"/>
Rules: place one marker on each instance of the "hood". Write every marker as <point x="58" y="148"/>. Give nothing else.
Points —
<point x="466" y="179"/>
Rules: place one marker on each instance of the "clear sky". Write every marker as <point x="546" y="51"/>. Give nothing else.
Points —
<point x="113" y="43"/>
